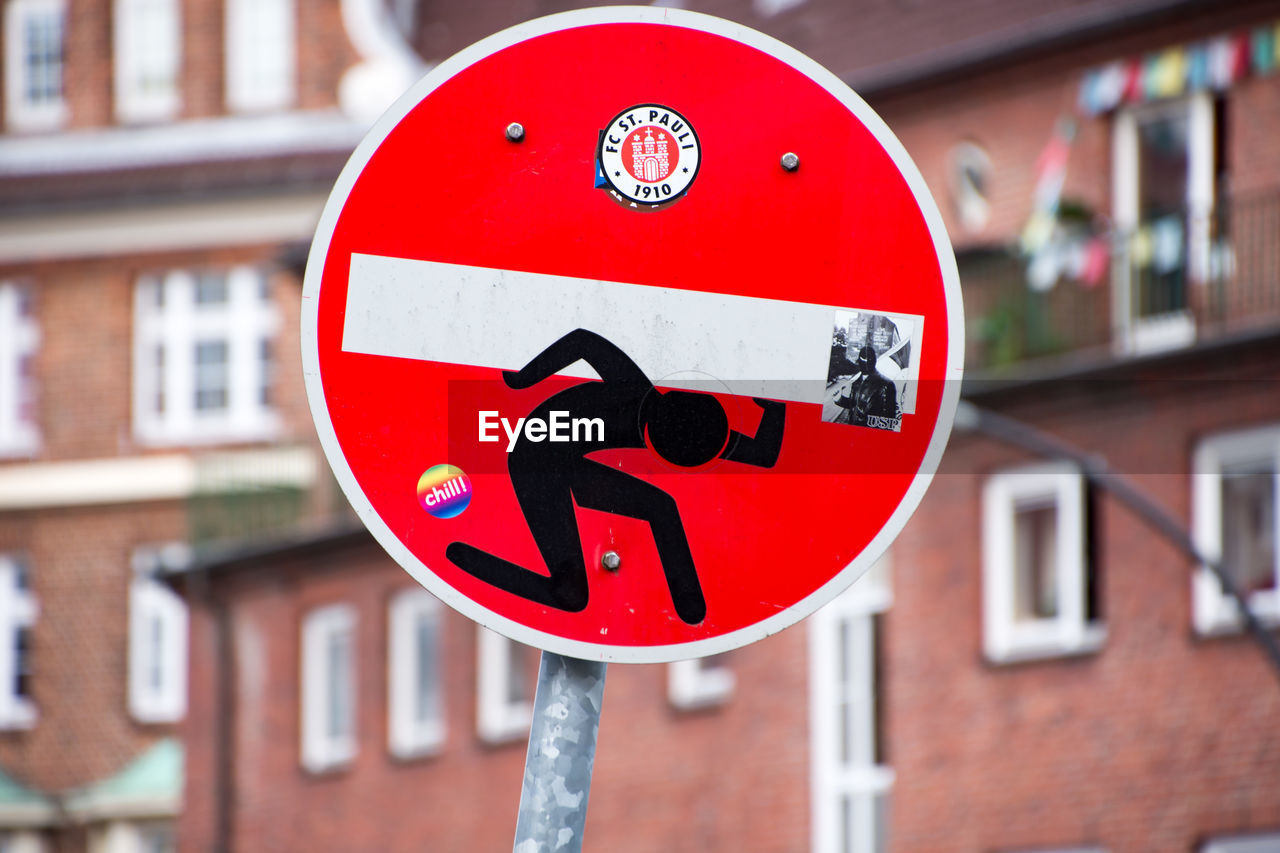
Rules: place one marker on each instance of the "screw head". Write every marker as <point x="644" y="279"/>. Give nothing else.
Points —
<point x="790" y="161"/>
<point x="515" y="131"/>
<point x="611" y="561"/>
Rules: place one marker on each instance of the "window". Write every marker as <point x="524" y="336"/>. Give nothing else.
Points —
<point x="34" y="60"/>
<point x="851" y="776"/>
<point x="1039" y="591"/>
<point x="1165" y="165"/>
<point x="17" y="617"/>
<point x="148" y="53"/>
<point x="261" y="54"/>
<point x="203" y="356"/>
<point x="416" y="698"/>
<point x="699" y="683"/>
<point x="19" y="338"/>
<point x="157" y="639"/>
<point x="1236" y="477"/>
<point x="505" y="687"/>
<point x="328" y="688"/>
<point x="969" y="180"/>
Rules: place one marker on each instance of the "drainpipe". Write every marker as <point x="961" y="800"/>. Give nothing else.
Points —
<point x="224" y="711"/>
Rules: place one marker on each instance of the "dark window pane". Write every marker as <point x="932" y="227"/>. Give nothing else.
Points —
<point x="1035" y="568"/>
<point x="1248" y="525"/>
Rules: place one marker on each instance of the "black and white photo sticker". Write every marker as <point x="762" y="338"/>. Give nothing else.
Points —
<point x="871" y="378"/>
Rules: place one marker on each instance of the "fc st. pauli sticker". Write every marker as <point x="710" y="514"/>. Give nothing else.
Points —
<point x="649" y="154"/>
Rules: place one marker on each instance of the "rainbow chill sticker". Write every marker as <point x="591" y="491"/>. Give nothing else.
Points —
<point x="444" y="491"/>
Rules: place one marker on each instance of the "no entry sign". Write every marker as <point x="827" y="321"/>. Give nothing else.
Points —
<point x="632" y="334"/>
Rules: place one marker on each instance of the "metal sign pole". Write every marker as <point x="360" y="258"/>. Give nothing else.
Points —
<point x="562" y="752"/>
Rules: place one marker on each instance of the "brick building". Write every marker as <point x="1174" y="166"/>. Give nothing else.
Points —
<point x="1032" y="669"/>
<point x="157" y="162"/>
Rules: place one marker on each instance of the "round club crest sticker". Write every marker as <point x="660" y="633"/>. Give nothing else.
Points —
<point x="649" y="154"/>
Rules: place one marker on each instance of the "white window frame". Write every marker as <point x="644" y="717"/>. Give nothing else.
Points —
<point x="699" y="683"/>
<point x="861" y="780"/>
<point x="19" y="339"/>
<point x="243" y="322"/>
<point x="322" y="749"/>
<point x="247" y="88"/>
<point x="130" y="34"/>
<point x="1212" y="610"/>
<point x="1135" y="334"/>
<point x="1004" y="638"/>
<point x="154" y="606"/>
<point x="409" y="737"/>
<point x="20" y="114"/>
<point x="18" y="610"/>
<point x="500" y="717"/>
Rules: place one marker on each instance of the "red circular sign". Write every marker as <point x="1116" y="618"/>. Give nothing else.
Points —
<point x="684" y="423"/>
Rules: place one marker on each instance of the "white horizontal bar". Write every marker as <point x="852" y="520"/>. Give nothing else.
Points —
<point x="501" y="319"/>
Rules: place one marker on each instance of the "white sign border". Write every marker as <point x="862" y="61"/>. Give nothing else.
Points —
<point x="415" y="567"/>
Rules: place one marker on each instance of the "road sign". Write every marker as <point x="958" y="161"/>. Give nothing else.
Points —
<point x="632" y="334"/>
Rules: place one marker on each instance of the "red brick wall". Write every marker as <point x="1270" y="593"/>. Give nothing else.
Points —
<point x="1157" y="740"/>
<point x="80" y="571"/>
<point x="1011" y="113"/>
<point x="323" y="49"/>
<point x="733" y="778"/>
<point x="84" y="364"/>
<point x="80" y="558"/>
<point x="88" y="81"/>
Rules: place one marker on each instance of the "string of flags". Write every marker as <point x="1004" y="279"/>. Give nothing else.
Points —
<point x="1053" y="250"/>
<point x="1213" y="64"/>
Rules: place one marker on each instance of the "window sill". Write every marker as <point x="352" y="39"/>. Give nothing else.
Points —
<point x="1039" y="649"/>
<point x="19" y="718"/>
<point x="416" y="751"/>
<point x="36" y="120"/>
<point x="1232" y="625"/>
<point x="267" y="430"/>
<point x="514" y="727"/>
<point x="1219" y="615"/>
<point x="19" y="451"/>
<point x="155" y="717"/>
<point x="326" y="765"/>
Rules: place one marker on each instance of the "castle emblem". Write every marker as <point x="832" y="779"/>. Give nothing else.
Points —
<point x="648" y="155"/>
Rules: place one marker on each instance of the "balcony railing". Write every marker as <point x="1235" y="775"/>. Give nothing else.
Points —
<point x="249" y="494"/>
<point x="1175" y="280"/>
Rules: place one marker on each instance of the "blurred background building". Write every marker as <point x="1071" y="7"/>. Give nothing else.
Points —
<point x="1031" y="668"/>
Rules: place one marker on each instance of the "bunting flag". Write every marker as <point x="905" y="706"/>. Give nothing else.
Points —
<point x="1051" y="173"/>
<point x="1262" y="53"/>
<point x="1214" y="63"/>
<point x="1047" y="255"/>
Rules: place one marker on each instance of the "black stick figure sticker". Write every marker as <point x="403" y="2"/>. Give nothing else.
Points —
<point x="685" y="428"/>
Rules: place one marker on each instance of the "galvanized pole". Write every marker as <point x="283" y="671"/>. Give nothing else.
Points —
<point x="562" y="752"/>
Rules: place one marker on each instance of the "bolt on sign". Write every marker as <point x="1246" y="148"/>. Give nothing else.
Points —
<point x="632" y="334"/>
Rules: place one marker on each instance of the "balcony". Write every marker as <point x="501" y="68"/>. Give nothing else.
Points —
<point x="1174" y="281"/>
